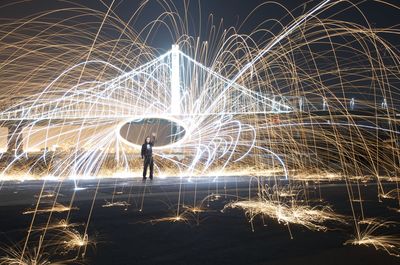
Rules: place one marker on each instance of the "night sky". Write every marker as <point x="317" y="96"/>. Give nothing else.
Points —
<point x="356" y="150"/>
<point x="232" y="12"/>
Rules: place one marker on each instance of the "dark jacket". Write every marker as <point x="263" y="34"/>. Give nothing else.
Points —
<point x="148" y="152"/>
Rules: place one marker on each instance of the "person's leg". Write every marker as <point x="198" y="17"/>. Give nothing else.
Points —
<point x="151" y="168"/>
<point x="145" y="165"/>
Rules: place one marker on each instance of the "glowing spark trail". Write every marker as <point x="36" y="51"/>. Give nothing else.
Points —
<point x="387" y="243"/>
<point x="290" y="106"/>
<point x="312" y="218"/>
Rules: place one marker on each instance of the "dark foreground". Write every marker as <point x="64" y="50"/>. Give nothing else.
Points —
<point x="125" y="235"/>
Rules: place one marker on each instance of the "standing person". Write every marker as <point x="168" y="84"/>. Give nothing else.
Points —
<point x="147" y="155"/>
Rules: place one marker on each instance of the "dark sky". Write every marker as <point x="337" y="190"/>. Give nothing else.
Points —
<point x="233" y="12"/>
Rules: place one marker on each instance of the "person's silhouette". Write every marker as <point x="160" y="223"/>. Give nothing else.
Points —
<point x="147" y="155"/>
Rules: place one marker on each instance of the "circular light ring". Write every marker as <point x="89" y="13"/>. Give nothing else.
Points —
<point x="162" y="147"/>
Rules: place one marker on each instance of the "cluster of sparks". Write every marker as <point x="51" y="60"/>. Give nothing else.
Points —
<point x="313" y="218"/>
<point x="315" y="100"/>
<point x="371" y="237"/>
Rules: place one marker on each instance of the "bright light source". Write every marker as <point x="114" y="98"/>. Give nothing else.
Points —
<point x="175" y="81"/>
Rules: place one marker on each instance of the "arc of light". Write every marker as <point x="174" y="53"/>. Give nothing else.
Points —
<point x="269" y="47"/>
<point x="278" y="158"/>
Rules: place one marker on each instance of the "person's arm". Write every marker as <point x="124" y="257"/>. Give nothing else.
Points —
<point x="143" y="151"/>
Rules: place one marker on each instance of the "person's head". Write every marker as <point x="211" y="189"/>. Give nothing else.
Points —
<point x="147" y="140"/>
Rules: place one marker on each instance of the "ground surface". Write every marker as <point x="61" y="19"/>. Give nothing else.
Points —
<point x="125" y="236"/>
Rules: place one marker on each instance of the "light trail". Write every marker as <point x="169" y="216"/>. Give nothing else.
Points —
<point x="315" y="101"/>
